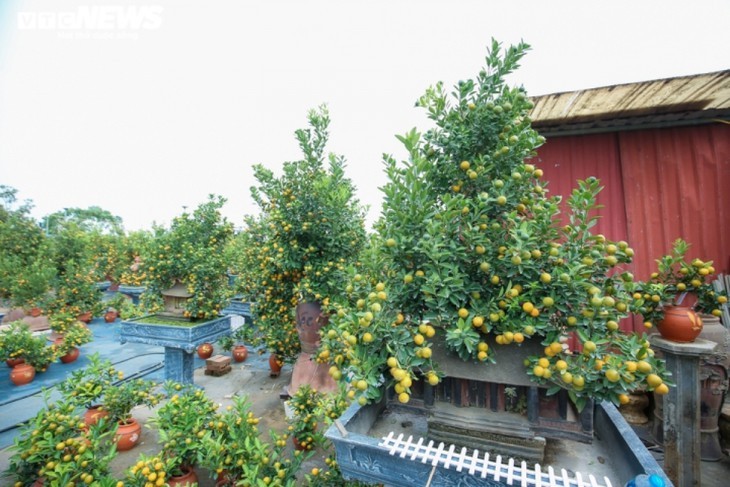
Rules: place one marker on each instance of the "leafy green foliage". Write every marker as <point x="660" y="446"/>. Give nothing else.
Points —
<point x="310" y="228"/>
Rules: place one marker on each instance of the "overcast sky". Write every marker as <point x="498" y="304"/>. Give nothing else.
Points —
<point x="145" y="107"/>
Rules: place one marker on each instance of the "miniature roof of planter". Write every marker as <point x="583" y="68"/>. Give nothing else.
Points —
<point x="179" y="290"/>
<point x="682" y="100"/>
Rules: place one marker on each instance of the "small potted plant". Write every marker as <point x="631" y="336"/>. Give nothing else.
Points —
<point x="119" y="400"/>
<point x="31" y="288"/>
<point x="681" y="287"/>
<point x="13" y="341"/>
<point x="76" y="293"/>
<point x="226" y="446"/>
<point x="59" y="449"/>
<point x="181" y="422"/>
<point x="76" y="335"/>
<point x="304" y="405"/>
<point x="60" y="322"/>
<point x="85" y="387"/>
<point x="234" y="343"/>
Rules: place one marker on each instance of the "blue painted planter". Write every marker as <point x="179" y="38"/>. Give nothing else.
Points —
<point x="360" y="457"/>
<point x="180" y="342"/>
<point x="238" y="307"/>
<point x="103" y="285"/>
<point x="133" y="292"/>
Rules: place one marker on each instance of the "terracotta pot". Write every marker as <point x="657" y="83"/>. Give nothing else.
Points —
<point x="70" y="356"/>
<point x="274" y="365"/>
<point x="128" y="434"/>
<point x="680" y="324"/>
<point x="205" y="350"/>
<point x="240" y="353"/>
<point x="307" y="370"/>
<point x="35" y="312"/>
<point x="188" y="478"/>
<point x="297" y="445"/>
<point x="85" y="317"/>
<point x="22" y="374"/>
<point x="94" y="414"/>
<point x="110" y="316"/>
<point x="12" y="362"/>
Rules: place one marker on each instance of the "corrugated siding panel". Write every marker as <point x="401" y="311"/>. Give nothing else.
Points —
<point x="566" y="160"/>
<point x="677" y="184"/>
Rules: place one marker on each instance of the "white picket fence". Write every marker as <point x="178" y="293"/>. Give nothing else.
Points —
<point x="506" y="473"/>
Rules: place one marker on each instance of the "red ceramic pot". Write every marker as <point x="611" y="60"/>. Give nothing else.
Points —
<point x="128" y="434"/>
<point x="22" y="374"/>
<point x="12" y="362"/>
<point x="680" y="324"/>
<point x="205" y="350"/>
<point x="70" y="356"/>
<point x="240" y="353"/>
<point x="35" y="312"/>
<point x="188" y="477"/>
<point x="94" y="414"/>
<point x="110" y="316"/>
<point x="274" y="365"/>
<point x="85" y="317"/>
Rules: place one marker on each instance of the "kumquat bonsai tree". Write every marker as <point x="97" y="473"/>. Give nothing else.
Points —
<point x="191" y="253"/>
<point x="473" y="251"/>
<point x="309" y="230"/>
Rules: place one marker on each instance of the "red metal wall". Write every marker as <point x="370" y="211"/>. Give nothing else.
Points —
<point x="659" y="185"/>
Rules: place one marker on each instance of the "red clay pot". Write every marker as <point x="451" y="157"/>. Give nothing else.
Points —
<point x="70" y="356"/>
<point x="189" y="477"/>
<point x="12" y="362"/>
<point x="274" y="365"/>
<point x="128" y="434"/>
<point x="110" y="316"/>
<point x="85" y="317"/>
<point x="680" y="324"/>
<point x="205" y="350"/>
<point x="240" y="353"/>
<point x="94" y="414"/>
<point x="22" y="374"/>
<point x="35" y="312"/>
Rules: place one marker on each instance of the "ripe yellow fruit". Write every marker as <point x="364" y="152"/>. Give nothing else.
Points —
<point x="519" y="337"/>
<point x="501" y="200"/>
<point x="643" y="366"/>
<point x="589" y="347"/>
<point x="390" y="242"/>
<point x="612" y="375"/>
<point x="538" y="371"/>
<point x="392" y="362"/>
<point x="482" y="347"/>
<point x="623" y="399"/>
<point x="404" y="397"/>
<point x="654" y="380"/>
<point x="477" y="321"/>
<point x="426" y="352"/>
<point x="463" y="313"/>
<point x="433" y="379"/>
<point x="561" y="365"/>
<point x="527" y="307"/>
<point x="567" y="377"/>
<point x="543" y="362"/>
<point x="418" y="339"/>
<point x="661" y="389"/>
<point x="578" y="381"/>
<point x="380" y="286"/>
<point x="465" y="165"/>
<point x="545" y="277"/>
<point x="556" y="347"/>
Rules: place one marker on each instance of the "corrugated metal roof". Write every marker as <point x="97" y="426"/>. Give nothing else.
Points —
<point x="684" y="100"/>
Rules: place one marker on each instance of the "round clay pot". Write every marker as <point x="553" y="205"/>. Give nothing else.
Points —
<point x="205" y="350"/>
<point x="128" y="434"/>
<point x="70" y="356"/>
<point x="94" y="414"/>
<point x="12" y="362"/>
<point x="22" y="374"/>
<point x="189" y="477"/>
<point x="274" y="365"/>
<point x="680" y="324"/>
<point x="35" y="312"/>
<point x="240" y="353"/>
<point x="85" y="317"/>
<point x="110" y="316"/>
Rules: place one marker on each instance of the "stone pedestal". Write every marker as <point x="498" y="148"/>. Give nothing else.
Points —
<point x="180" y="341"/>
<point x="681" y="409"/>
